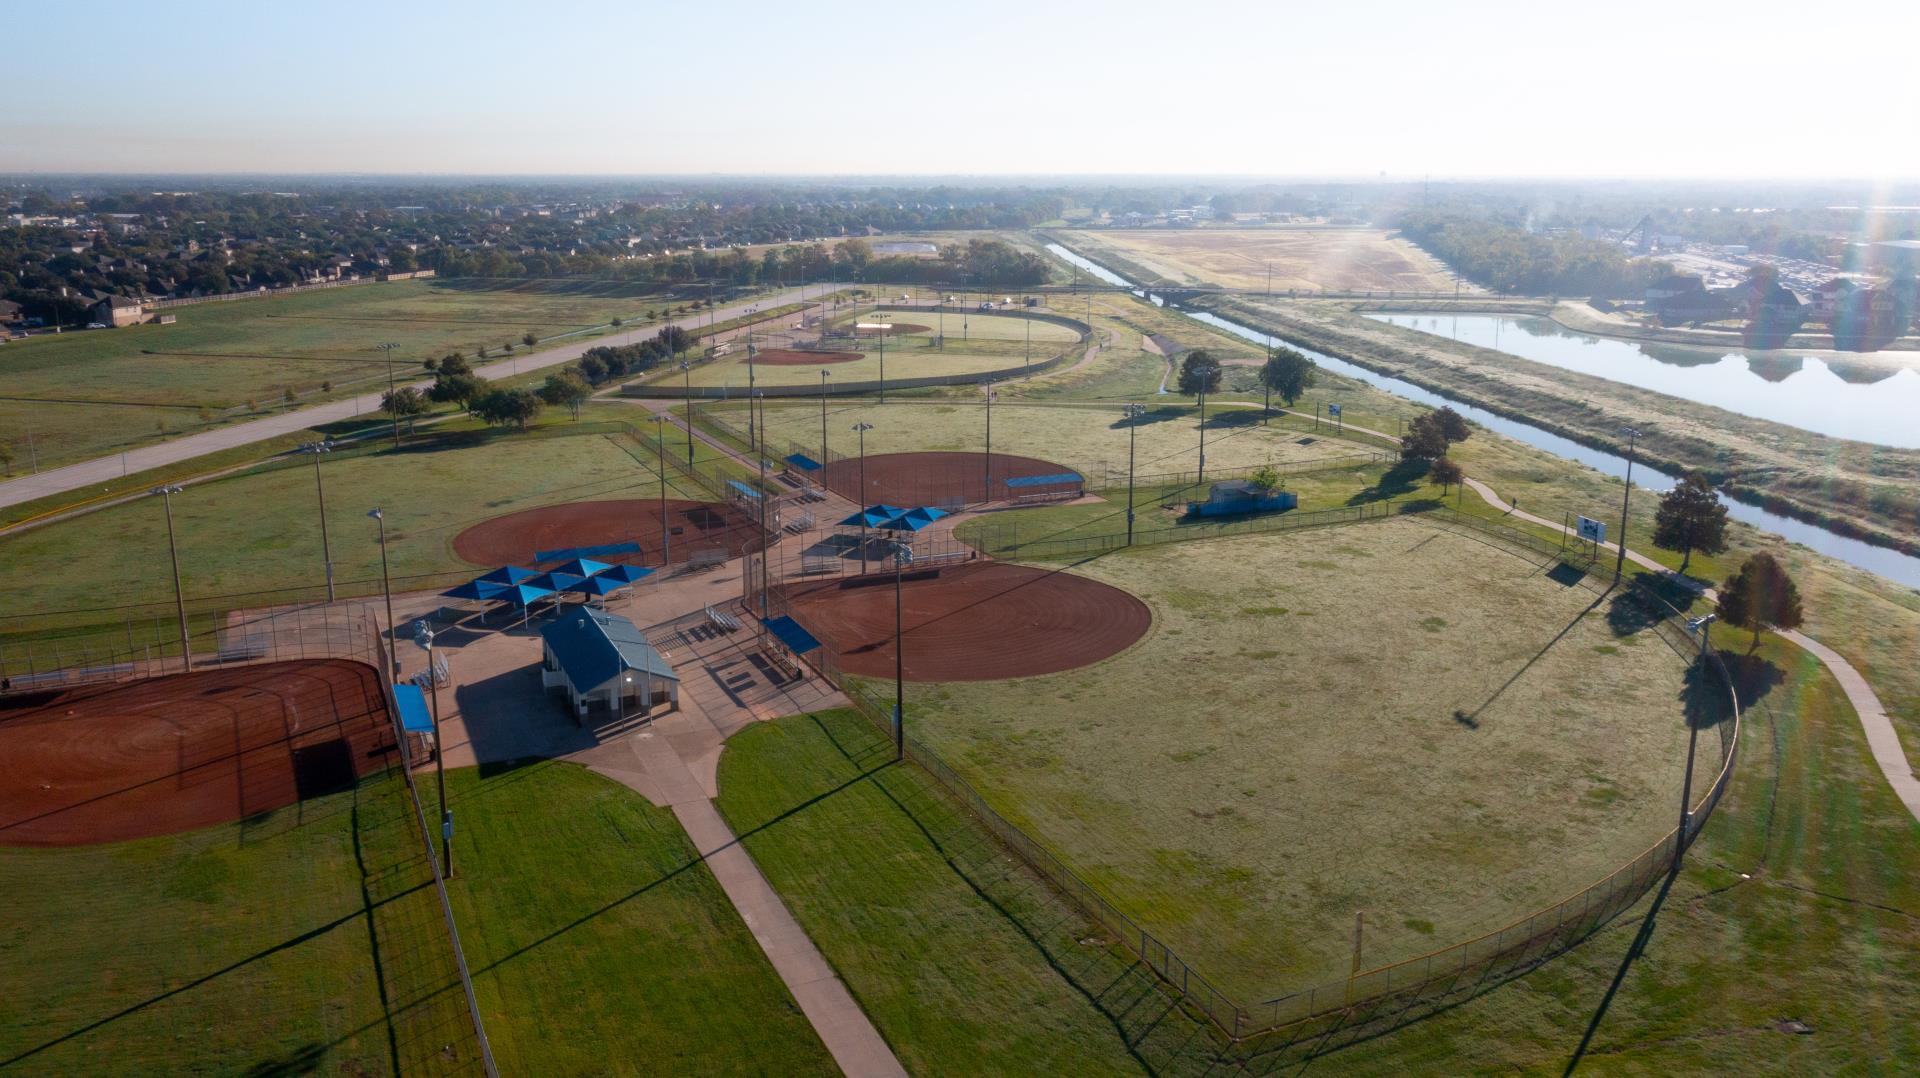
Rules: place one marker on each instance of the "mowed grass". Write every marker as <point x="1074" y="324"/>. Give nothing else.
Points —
<point x="260" y="529"/>
<point x="965" y="961"/>
<point x="1389" y="718"/>
<point x="304" y="939"/>
<point x="975" y="342"/>
<point x="601" y="944"/>
<point x="1090" y="439"/>
<point x="89" y="393"/>
<point x="1340" y="259"/>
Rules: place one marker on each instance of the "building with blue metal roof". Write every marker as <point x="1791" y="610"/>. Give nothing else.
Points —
<point x="605" y="660"/>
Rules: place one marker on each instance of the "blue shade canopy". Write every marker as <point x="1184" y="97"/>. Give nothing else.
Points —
<point x="579" y="567"/>
<point x="912" y="520"/>
<point x="475" y="589"/>
<point x="555" y="581"/>
<point x="413" y="709"/>
<point x="624" y="574"/>
<point x="789" y="632"/>
<point x="872" y="516"/>
<point x="601" y="586"/>
<point x="803" y="462"/>
<point x="525" y="593"/>
<point x="508" y="574"/>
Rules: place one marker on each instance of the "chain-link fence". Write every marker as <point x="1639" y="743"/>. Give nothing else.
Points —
<point x="1514" y="946"/>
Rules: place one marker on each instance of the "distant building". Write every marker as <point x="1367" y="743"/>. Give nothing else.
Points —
<point x="117" y="311"/>
<point x="1236" y="496"/>
<point x="9" y="312"/>
<point x="1830" y="299"/>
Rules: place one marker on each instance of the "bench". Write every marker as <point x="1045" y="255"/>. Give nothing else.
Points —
<point x="801" y="523"/>
<point x="815" y="564"/>
<point x="705" y="559"/>
<point x="722" y="620"/>
<point x="945" y="557"/>
<point x="1046" y="496"/>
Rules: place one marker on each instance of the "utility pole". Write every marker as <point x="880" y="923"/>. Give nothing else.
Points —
<point x="1206" y="374"/>
<point x="319" y="449"/>
<point x="1620" y="563"/>
<point x="1133" y="412"/>
<point x="686" y="380"/>
<point x="173" y="554"/>
<point x="388" y="347"/>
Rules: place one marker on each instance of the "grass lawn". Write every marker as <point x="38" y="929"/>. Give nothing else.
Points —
<point x="965" y="962"/>
<point x="1362" y="259"/>
<point x="1389" y="717"/>
<point x="601" y="944"/>
<point x="258" y="530"/>
<point x="308" y="938"/>
<point x="90" y="393"/>
<point x="1089" y="439"/>
<point x="731" y="370"/>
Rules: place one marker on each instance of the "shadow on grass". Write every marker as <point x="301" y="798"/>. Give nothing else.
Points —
<point x="1397" y="482"/>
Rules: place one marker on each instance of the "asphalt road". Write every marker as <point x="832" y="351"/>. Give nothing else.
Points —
<point x="102" y="473"/>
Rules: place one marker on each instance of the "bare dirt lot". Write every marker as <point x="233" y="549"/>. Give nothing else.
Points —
<point x="1310" y="259"/>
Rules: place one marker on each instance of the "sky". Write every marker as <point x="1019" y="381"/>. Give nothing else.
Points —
<point x="1678" y="88"/>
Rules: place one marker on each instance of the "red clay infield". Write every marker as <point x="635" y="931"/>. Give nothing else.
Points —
<point x="912" y="479"/>
<point x="115" y="762"/>
<point x="976" y="622"/>
<point x="794" y="357"/>
<point x="513" y="539"/>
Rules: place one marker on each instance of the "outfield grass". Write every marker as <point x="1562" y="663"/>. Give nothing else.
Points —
<point x="601" y="944"/>
<point x="306" y="938"/>
<point x="1389" y="717"/>
<point x="90" y="393"/>
<point x="259" y="530"/>
<point x="1091" y="439"/>
<point x="965" y="962"/>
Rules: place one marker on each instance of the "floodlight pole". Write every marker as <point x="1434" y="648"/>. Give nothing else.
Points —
<point x="1133" y="413"/>
<point x="986" y="492"/>
<point x="439" y="763"/>
<point x="883" y="353"/>
<point x="1027" y="364"/>
<point x="823" y="426"/>
<point x="752" y="439"/>
<point x="319" y="449"/>
<point x="766" y="544"/>
<point x="386" y="588"/>
<point x="1620" y="563"/>
<point x="173" y="554"/>
<point x="686" y="379"/>
<point x="861" y="502"/>
<point x="666" y="535"/>
<point x="1205" y="374"/>
<point x="899" y="665"/>
<point x="388" y="348"/>
<point x="1704" y="625"/>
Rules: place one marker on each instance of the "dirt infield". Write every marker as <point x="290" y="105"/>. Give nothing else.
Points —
<point x="795" y="357"/>
<point x="900" y="329"/>
<point x="513" y="539"/>
<point x="977" y="622"/>
<point x="117" y="762"/>
<point x="912" y="479"/>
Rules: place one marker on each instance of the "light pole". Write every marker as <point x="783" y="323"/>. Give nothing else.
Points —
<point x="766" y="544"/>
<point x="660" y="445"/>
<point x="318" y="450"/>
<point x="752" y="438"/>
<point x="173" y="554"/>
<point x="861" y="502"/>
<point x="1205" y="372"/>
<point x="986" y="492"/>
<point x="823" y="424"/>
<point x="1133" y="412"/>
<point x="686" y="380"/>
<point x="386" y="588"/>
<point x="1703" y="626"/>
<point x="1620" y="563"/>
<point x="1026" y="321"/>
<point x="439" y="761"/>
<point x="901" y="555"/>
<point x="883" y="353"/>
<point x="388" y="348"/>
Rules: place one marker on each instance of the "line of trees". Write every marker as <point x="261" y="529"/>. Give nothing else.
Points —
<point x="1507" y="258"/>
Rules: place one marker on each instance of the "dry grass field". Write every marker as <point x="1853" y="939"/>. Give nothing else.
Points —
<point x="1386" y="718"/>
<point x="1308" y="259"/>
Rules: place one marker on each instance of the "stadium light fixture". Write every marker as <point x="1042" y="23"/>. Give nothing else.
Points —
<point x="660" y="445"/>
<point x="861" y="429"/>
<point x="318" y="450"/>
<point x="1626" y="497"/>
<point x="1133" y="412"/>
<point x="1702" y="626"/>
<point x="686" y="379"/>
<point x="386" y="587"/>
<point x="824" y="375"/>
<point x="425" y="640"/>
<point x="166" y="492"/>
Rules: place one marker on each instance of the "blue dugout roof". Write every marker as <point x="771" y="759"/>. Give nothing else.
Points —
<point x="803" y="462"/>
<point x="788" y="632"/>
<point x="743" y="490"/>
<point x="1059" y="479"/>
<point x="413" y="709"/>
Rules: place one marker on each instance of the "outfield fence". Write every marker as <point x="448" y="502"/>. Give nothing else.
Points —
<point x="1461" y="967"/>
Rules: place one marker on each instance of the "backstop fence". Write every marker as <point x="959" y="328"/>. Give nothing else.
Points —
<point x="1511" y="947"/>
<point x="432" y="1032"/>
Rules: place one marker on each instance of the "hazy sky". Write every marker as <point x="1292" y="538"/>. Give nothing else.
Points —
<point x="1267" y="87"/>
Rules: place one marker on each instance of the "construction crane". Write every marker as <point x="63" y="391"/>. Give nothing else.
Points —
<point x="1644" y="230"/>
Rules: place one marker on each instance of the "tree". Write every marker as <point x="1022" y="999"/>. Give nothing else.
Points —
<point x="405" y="403"/>
<point x="1760" y="596"/>
<point x="1424" y="440"/>
<point x="566" y="388"/>
<point x="1691" y="518"/>
<point x="1446" y="473"/>
<point x="1288" y="373"/>
<point x="529" y="338"/>
<point x="508" y="407"/>
<point x="1452" y="425"/>
<point x="617" y="322"/>
<point x="593" y="369"/>
<point x="461" y="389"/>
<point x="1199" y="373"/>
<point x="6" y="458"/>
<point x="1266" y="477"/>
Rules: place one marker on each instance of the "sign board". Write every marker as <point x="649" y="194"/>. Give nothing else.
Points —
<point x="1333" y="410"/>
<point x="1592" y="530"/>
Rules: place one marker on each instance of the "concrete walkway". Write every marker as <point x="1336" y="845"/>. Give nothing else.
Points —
<point x="103" y="472"/>
<point x="651" y="763"/>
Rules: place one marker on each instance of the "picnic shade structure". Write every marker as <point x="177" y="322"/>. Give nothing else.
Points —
<point x="524" y="594"/>
<point x="581" y="567"/>
<point x="911" y="520"/>
<point x="873" y="516"/>
<point x="507" y="575"/>
<point x="475" y="590"/>
<point x="597" y="587"/>
<point x="626" y="574"/>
